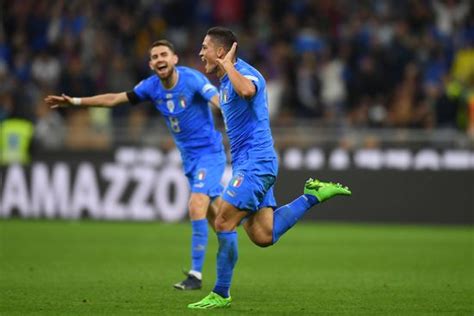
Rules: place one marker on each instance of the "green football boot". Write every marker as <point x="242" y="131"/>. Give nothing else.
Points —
<point x="324" y="190"/>
<point x="213" y="300"/>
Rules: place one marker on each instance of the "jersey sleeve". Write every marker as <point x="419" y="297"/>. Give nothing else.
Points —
<point x="141" y="90"/>
<point x="133" y="98"/>
<point x="203" y="86"/>
<point x="249" y="75"/>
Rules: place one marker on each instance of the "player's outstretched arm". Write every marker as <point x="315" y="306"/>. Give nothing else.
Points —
<point x="101" y="100"/>
<point x="243" y="86"/>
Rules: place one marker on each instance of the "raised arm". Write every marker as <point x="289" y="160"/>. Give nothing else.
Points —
<point x="243" y="86"/>
<point x="101" y="100"/>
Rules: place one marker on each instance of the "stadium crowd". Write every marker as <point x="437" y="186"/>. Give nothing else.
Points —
<point x="379" y="63"/>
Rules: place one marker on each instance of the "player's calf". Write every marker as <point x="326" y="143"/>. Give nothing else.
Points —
<point x="315" y="191"/>
<point x="259" y="227"/>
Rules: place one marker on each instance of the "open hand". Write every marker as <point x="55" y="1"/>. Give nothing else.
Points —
<point x="55" y="101"/>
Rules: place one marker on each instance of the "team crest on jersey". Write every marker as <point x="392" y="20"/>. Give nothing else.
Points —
<point x="224" y="95"/>
<point x="182" y="101"/>
<point x="170" y="105"/>
<point x="237" y="181"/>
<point x="201" y="174"/>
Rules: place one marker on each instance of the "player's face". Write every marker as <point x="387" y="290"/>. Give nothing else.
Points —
<point x="209" y="53"/>
<point x="162" y="61"/>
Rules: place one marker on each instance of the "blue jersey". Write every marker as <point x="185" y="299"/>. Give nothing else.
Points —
<point x="247" y="121"/>
<point x="185" y="109"/>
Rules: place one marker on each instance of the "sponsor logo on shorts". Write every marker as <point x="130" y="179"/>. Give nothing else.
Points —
<point x="231" y="193"/>
<point x="199" y="185"/>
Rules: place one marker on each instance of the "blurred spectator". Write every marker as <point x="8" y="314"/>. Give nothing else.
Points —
<point x="367" y="63"/>
<point x="5" y="49"/>
<point x="333" y="88"/>
<point x="449" y="14"/>
<point x="228" y="11"/>
<point x="16" y="135"/>
<point x="471" y="115"/>
<point x="6" y="97"/>
<point x="407" y="99"/>
<point x="49" y="128"/>
<point x="308" y="86"/>
<point x="75" y="80"/>
<point x="447" y="106"/>
<point x="46" y="70"/>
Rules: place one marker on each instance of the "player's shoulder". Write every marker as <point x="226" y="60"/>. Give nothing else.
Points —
<point x="248" y="70"/>
<point x="242" y="64"/>
<point x="147" y="82"/>
<point x="189" y="72"/>
<point x="196" y="79"/>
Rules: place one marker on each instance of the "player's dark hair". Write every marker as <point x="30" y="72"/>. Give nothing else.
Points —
<point x="223" y="36"/>
<point x="163" y="42"/>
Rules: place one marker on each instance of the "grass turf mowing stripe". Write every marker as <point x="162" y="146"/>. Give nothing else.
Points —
<point x="116" y="268"/>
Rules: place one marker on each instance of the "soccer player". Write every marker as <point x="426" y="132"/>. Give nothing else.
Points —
<point x="182" y="95"/>
<point x="249" y="195"/>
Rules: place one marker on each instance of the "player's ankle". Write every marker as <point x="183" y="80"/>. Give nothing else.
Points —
<point x="223" y="291"/>
<point x="196" y="274"/>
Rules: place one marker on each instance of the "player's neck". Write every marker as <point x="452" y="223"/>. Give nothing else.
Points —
<point x="170" y="82"/>
<point x="220" y="73"/>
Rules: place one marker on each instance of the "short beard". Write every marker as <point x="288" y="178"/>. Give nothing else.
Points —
<point x="167" y="76"/>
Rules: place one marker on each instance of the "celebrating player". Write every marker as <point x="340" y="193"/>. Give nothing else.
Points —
<point x="249" y="195"/>
<point x="182" y="95"/>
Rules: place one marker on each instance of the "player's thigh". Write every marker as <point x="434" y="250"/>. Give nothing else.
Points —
<point x="212" y="211"/>
<point x="259" y="227"/>
<point x="228" y="217"/>
<point x="198" y="205"/>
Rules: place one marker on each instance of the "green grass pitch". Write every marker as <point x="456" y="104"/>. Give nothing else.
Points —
<point x="113" y="268"/>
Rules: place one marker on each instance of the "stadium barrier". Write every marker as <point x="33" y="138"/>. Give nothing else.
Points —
<point x="131" y="183"/>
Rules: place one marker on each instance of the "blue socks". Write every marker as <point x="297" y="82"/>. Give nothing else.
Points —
<point x="287" y="215"/>
<point x="226" y="258"/>
<point x="284" y="218"/>
<point x="198" y="244"/>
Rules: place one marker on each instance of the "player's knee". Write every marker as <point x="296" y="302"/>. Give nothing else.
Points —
<point x="197" y="209"/>
<point x="220" y="223"/>
<point x="258" y="236"/>
<point x="263" y="241"/>
<point x="223" y="225"/>
<point x="263" y="244"/>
